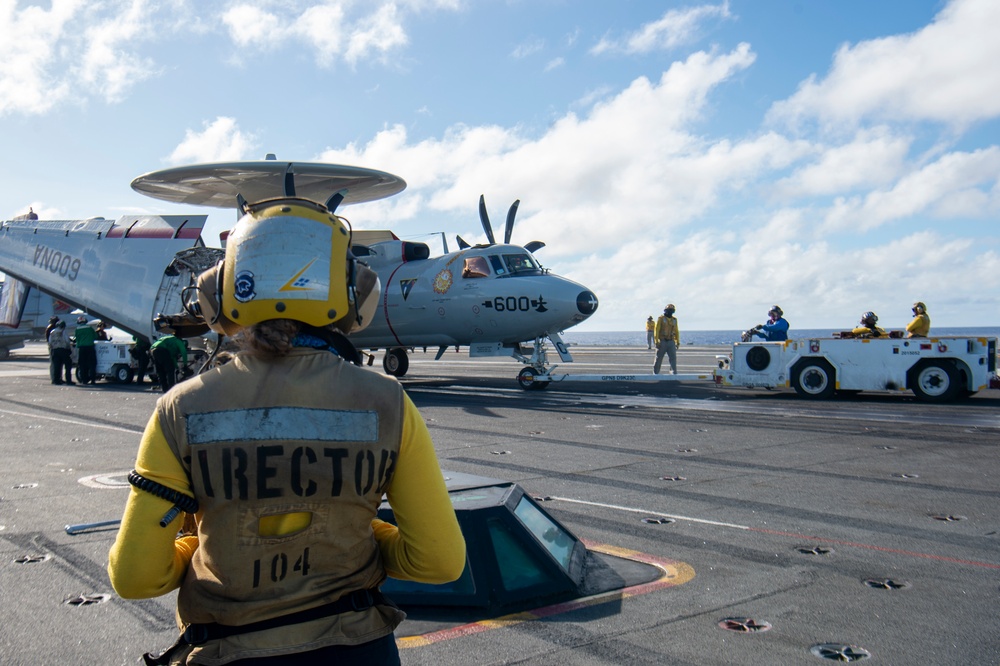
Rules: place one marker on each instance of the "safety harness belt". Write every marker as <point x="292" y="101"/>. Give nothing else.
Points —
<point x="358" y="600"/>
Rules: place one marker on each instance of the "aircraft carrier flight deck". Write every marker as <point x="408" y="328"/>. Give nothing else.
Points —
<point x="781" y="530"/>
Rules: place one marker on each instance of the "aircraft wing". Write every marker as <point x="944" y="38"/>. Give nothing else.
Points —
<point x="112" y="269"/>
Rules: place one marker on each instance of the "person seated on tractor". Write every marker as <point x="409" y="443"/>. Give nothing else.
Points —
<point x="868" y="328"/>
<point x="776" y="329"/>
<point x="920" y="327"/>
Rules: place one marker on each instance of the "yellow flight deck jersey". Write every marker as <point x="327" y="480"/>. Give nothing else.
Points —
<point x="920" y="327"/>
<point x="866" y="332"/>
<point x="667" y="329"/>
<point x="288" y="459"/>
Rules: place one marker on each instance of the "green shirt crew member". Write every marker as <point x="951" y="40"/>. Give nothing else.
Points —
<point x="166" y="351"/>
<point x="84" y="337"/>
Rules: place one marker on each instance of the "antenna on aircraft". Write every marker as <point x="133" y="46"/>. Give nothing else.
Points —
<point x="218" y="184"/>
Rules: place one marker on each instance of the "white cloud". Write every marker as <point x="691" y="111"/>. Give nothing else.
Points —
<point x="946" y="72"/>
<point x="250" y="25"/>
<point x="29" y="53"/>
<point x="77" y="50"/>
<point x="555" y="63"/>
<point x="106" y="61"/>
<point x="321" y="25"/>
<point x="873" y="157"/>
<point x="957" y="182"/>
<point x="376" y="34"/>
<point x="631" y="152"/>
<point x="675" y="28"/>
<point x="221" y="141"/>
<point x="527" y="48"/>
<point x="332" y="30"/>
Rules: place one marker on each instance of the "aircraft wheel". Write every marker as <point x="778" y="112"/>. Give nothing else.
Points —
<point x="395" y="362"/>
<point x="526" y="380"/>
<point x="813" y="378"/>
<point x="935" y="381"/>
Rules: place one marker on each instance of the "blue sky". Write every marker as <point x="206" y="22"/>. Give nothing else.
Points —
<point x="829" y="156"/>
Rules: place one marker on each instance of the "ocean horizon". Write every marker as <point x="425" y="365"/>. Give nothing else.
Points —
<point x="638" y="338"/>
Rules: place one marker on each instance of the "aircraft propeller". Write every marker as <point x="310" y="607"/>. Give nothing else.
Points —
<point x="508" y="228"/>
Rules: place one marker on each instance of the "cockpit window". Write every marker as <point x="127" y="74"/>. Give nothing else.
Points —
<point x="520" y="263"/>
<point x="476" y="267"/>
<point x="498" y="266"/>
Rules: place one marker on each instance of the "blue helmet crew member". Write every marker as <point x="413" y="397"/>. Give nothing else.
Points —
<point x="776" y="328"/>
<point x="868" y="328"/>
<point x="282" y="456"/>
<point x="667" y="336"/>
<point x="920" y="327"/>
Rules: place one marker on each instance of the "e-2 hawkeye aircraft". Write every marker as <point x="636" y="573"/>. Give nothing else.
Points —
<point x="139" y="272"/>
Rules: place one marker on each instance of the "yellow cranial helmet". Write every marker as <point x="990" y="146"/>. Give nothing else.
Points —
<point x="919" y="308"/>
<point x="287" y="259"/>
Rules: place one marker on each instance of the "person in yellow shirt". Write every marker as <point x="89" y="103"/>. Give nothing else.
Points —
<point x="920" y="327"/>
<point x="667" y="336"/>
<point x="273" y="466"/>
<point x="868" y="328"/>
<point x="650" y="330"/>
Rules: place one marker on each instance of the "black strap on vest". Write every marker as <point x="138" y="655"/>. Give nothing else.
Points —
<point x="358" y="600"/>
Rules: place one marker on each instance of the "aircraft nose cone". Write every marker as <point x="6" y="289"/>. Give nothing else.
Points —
<point x="586" y="303"/>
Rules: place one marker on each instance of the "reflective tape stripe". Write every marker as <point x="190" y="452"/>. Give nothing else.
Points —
<point x="282" y="423"/>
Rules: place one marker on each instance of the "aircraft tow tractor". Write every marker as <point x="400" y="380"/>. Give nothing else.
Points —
<point x="935" y="369"/>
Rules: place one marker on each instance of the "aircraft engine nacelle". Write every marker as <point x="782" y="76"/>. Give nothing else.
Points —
<point x="392" y="251"/>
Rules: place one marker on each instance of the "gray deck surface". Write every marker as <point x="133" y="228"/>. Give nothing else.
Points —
<point x="781" y="508"/>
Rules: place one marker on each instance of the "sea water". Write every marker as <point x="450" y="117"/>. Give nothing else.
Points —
<point x="638" y="338"/>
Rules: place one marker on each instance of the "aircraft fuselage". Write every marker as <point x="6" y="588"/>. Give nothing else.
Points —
<point x="496" y="293"/>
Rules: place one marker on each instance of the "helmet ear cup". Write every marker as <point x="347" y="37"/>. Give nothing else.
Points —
<point x="210" y="300"/>
<point x="366" y="290"/>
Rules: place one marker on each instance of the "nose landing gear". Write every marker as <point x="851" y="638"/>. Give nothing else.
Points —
<point x="535" y="377"/>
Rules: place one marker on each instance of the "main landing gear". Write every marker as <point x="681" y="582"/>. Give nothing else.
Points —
<point x="396" y="362"/>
